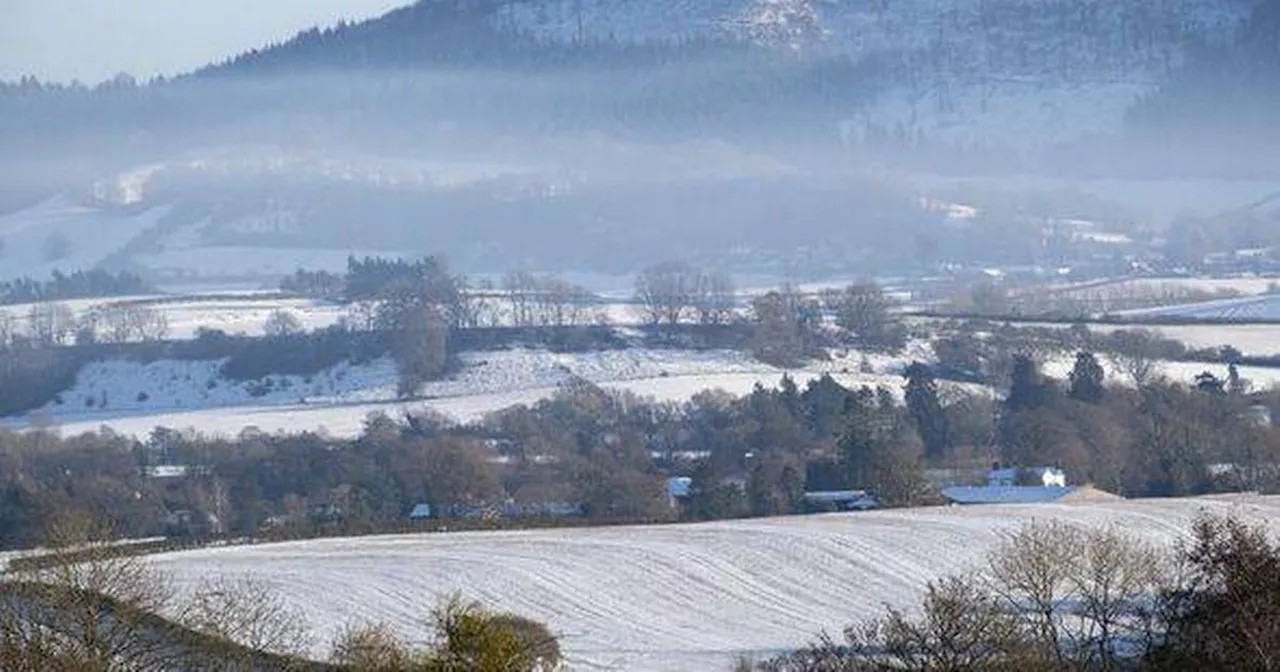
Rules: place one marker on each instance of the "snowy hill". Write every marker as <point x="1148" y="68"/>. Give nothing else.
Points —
<point x="1009" y="74"/>
<point x="672" y="597"/>
<point x="134" y="397"/>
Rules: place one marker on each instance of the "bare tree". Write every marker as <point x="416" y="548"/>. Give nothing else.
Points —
<point x="1055" y="597"/>
<point x="372" y="647"/>
<point x="282" y="323"/>
<point x="361" y="316"/>
<point x="715" y="298"/>
<point x="665" y="292"/>
<point x="123" y="323"/>
<point x="868" y="314"/>
<point x="51" y="323"/>
<point x="568" y="303"/>
<point x="88" y="605"/>
<point x="1134" y="353"/>
<point x="1084" y="592"/>
<point x="485" y="309"/>
<point x="421" y="339"/>
<point x="519" y="288"/>
<point x="247" y="612"/>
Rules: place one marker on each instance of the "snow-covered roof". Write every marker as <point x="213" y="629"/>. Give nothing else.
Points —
<point x="835" y="495"/>
<point x="421" y="511"/>
<point x="167" y="471"/>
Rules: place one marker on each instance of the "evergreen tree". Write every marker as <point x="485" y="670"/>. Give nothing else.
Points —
<point x="930" y="419"/>
<point x="880" y="453"/>
<point x="1026" y="390"/>
<point x="824" y="403"/>
<point x="1086" y="379"/>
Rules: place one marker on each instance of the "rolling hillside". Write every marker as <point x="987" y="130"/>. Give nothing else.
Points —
<point x="671" y="598"/>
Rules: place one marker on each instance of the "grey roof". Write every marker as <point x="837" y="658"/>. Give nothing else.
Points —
<point x="1005" y="494"/>
<point x="835" y="495"/>
<point x="421" y="511"/>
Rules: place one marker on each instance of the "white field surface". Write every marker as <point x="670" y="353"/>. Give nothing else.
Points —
<point x="1252" y="340"/>
<point x="669" y="598"/>
<point x="1265" y="307"/>
<point x="92" y="235"/>
<point x="242" y="315"/>
<point x="1244" y="286"/>
<point x="1258" y="378"/>
<point x="192" y="395"/>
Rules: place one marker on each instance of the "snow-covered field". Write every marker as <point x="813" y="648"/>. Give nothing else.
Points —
<point x="244" y="316"/>
<point x="1175" y="286"/>
<point x="1258" y="378"/>
<point x="1265" y="307"/>
<point x="669" y="598"/>
<point x="241" y="315"/>
<point x="60" y="234"/>
<point x="192" y="395"/>
<point x="1252" y="340"/>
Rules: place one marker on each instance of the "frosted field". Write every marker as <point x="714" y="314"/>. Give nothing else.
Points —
<point x="1258" y="378"/>
<point x="92" y="236"/>
<point x="1246" y="286"/>
<point x="1248" y="308"/>
<point x="1254" y="340"/>
<point x="669" y="598"/>
<point x="192" y="395"/>
<point x="243" y="315"/>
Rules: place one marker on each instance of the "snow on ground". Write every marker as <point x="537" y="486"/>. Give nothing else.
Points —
<point x="113" y="387"/>
<point x="1265" y="307"/>
<point x="1258" y="378"/>
<point x="1252" y="340"/>
<point x="242" y="315"/>
<point x="192" y="395"/>
<point x="1174" y="286"/>
<point x="670" y="598"/>
<point x="245" y="316"/>
<point x="60" y="234"/>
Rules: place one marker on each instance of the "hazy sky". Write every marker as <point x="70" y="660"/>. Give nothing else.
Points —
<point x="93" y="40"/>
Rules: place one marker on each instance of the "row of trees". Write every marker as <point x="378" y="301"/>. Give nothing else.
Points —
<point x="422" y="300"/>
<point x="77" y="285"/>
<point x="55" y="324"/>
<point x="609" y="454"/>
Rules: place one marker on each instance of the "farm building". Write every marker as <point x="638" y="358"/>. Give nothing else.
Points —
<point x="1013" y="486"/>
<point x="840" y="500"/>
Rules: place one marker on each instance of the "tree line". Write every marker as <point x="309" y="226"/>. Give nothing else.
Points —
<point x="91" y="284"/>
<point x="608" y="455"/>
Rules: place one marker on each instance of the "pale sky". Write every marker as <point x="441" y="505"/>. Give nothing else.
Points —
<point x="93" y="40"/>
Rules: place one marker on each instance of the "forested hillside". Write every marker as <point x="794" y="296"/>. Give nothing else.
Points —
<point x="1222" y="106"/>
